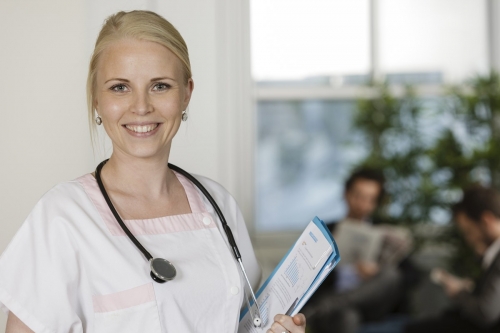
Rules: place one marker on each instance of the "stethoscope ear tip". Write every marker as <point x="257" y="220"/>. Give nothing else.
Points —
<point x="256" y="322"/>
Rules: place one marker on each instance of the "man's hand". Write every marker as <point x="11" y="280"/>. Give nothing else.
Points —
<point x="452" y="284"/>
<point x="367" y="270"/>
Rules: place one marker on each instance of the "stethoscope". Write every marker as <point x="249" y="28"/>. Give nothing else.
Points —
<point x="163" y="270"/>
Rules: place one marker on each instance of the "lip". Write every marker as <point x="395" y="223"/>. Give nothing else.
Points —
<point x="143" y="134"/>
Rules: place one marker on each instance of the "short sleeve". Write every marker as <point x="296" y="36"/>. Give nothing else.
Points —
<point x="40" y="278"/>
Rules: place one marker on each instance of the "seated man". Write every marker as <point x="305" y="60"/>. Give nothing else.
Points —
<point x="475" y="309"/>
<point x="359" y="290"/>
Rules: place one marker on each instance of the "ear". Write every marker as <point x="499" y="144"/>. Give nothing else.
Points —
<point x="189" y="92"/>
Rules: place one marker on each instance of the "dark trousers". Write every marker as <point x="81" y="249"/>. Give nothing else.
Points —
<point x="344" y="312"/>
<point x="450" y="321"/>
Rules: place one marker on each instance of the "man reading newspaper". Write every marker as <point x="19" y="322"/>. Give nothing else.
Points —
<point x="367" y="282"/>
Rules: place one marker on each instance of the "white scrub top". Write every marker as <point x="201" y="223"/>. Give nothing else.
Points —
<point x="71" y="268"/>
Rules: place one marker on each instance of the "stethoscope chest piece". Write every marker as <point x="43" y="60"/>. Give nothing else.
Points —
<point x="162" y="270"/>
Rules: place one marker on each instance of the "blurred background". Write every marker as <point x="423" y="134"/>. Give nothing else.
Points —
<point x="290" y="96"/>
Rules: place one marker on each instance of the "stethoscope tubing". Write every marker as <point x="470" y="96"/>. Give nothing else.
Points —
<point x="115" y="213"/>
<point x="207" y="195"/>
<point x="225" y="226"/>
<point x="227" y="230"/>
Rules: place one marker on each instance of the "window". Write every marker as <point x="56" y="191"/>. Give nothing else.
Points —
<point x="311" y="61"/>
<point x="433" y="36"/>
<point x="294" y="39"/>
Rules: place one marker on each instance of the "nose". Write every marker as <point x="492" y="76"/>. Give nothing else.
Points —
<point x="141" y="103"/>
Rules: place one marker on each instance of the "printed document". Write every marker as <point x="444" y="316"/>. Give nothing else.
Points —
<point x="297" y="276"/>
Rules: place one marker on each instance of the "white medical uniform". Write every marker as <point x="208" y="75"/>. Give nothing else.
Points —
<point x="71" y="268"/>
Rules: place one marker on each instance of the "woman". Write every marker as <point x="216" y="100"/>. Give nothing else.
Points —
<point x="70" y="268"/>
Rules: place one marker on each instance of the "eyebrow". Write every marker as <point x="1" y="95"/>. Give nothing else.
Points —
<point x="162" y="78"/>
<point x="152" y="80"/>
<point x="117" y="79"/>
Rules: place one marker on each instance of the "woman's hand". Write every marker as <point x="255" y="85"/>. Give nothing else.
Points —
<point x="287" y="324"/>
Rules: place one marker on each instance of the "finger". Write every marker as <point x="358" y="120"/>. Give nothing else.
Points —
<point x="299" y="319"/>
<point x="287" y="323"/>
<point x="277" y="328"/>
<point x="282" y="319"/>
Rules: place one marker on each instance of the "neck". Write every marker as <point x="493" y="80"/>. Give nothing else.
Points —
<point x="351" y="216"/>
<point x="147" y="177"/>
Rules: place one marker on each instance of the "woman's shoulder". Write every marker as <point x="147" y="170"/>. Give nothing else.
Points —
<point x="226" y="202"/>
<point x="211" y="184"/>
<point x="65" y="192"/>
<point x="62" y="203"/>
<point x="218" y="192"/>
<point x="52" y="217"/>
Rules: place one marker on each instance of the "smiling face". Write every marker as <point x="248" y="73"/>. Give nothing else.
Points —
<point x="140" y="95"/>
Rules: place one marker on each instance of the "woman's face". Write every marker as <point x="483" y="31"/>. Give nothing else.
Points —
<point x="140" y="95"/>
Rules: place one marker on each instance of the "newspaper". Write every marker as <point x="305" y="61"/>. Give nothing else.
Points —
<point x="297" y="276"/>
<point x="382" y="244"/>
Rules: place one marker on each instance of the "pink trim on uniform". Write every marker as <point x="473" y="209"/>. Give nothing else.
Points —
<point x="198" y="219"/>
<point x="90" y="186"/>
<point x="192" y="194"/>
<point x="168" y="224"/>
<point x="124" y="299"/>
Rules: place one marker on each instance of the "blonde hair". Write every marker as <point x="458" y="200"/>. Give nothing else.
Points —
<point x="139" y="24"/>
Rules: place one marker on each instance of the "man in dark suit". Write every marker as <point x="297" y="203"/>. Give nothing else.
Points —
<point x="475" y="309"/>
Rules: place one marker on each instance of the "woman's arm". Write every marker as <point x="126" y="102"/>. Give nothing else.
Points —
<point x="15" y="325"/>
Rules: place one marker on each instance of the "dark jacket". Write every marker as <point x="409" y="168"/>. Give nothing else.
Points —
<point x="482" y="306"/>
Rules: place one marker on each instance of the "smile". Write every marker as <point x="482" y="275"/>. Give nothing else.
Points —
<point x="142" y="129"/>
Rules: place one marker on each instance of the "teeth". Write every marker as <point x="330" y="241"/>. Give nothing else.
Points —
<point x="142" y="129"/>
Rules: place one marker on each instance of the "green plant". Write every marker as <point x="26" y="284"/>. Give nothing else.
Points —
<point x="397" y="146"/>
<point x="432" y="148"/>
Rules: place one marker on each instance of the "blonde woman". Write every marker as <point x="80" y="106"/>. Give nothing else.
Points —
<point x="71" y="266"/>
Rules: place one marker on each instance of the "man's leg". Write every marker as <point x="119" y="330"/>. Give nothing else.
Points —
<point x="375" y="297"/>
<point x="449" y="321"/>
<point x="343" y="321"/>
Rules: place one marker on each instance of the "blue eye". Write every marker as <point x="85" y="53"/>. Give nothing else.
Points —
<point x="119" y="87"/>
<point x="161" y="86"/>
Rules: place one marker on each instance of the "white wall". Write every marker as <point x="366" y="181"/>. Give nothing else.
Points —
<point x="45" y="47"/>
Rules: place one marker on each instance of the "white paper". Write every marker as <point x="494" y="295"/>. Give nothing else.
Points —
<point x="292" y="280"/>
<point x="358" y="241"/>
